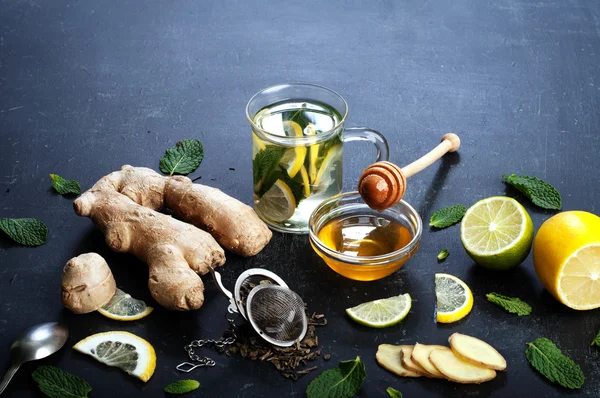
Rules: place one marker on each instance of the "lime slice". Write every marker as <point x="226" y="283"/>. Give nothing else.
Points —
<point x="497" y="232"/>
<point x="454" y="299"/>
<point x="278" y="203"/>
<point x="324" y="178"/>
<point x="123" y="350"/>
<point x="123" y="307"/>
<point x="381" y="313"/>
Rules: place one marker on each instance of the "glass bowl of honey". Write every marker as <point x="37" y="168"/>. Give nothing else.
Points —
<point x="361" y="243"/>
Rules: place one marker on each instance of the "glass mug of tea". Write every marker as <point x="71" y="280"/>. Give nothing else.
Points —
<point x="297" y="141"/>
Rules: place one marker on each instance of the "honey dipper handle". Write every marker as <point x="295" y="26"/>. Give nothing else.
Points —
<point x="450" y="143"/>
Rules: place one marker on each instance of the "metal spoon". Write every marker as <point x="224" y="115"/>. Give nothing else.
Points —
<point x="35" y="343"/>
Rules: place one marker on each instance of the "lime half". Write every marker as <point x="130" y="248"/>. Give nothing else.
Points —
<point x="278" y="203"/>
<point x="497" y="232"/>
<point x="381" y="313"/>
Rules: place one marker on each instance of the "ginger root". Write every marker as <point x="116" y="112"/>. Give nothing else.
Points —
<point x="124" y="206"/>
<point x="87" y="283"/>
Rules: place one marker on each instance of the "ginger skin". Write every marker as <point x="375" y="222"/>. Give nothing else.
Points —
<point x="87" y="283"/>
<point x="124" y="206"/>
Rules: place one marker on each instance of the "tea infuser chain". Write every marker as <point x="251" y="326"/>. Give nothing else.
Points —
<point x="206" y="361"/>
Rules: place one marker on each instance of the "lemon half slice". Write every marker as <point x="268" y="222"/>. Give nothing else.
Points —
<point x="123" y="307"/>
<point x="123" y="350"/>
<point x="454" y="299"/>
<point x="278" y="203"/>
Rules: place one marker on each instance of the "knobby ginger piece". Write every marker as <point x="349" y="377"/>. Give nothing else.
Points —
<point x="87" y="283"/>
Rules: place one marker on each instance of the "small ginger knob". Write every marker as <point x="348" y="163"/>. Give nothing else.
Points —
<point x="383" y="184"/>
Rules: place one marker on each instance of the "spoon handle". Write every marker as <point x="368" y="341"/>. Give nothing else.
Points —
<point x="8" y="376"/>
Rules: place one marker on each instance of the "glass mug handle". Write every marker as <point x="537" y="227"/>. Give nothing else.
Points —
<point x="365" y="134"/>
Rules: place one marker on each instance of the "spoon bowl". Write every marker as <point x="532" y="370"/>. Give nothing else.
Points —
<point x="35" y="343"/>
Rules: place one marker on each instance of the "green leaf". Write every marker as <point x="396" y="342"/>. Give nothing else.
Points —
<point x="538" y="191"/>
<point x="443" y="255"/>
<point x="183" y="158"/>
<point x="447" y="216"/>
<point x="547" y="359"/>
<point x="56" y="383"/>
<point x="26" y="231"/>
<point x="596" y="340"/>
<point x="342" y="381"/>
<point x="513" y="305"/>
<point x="182" y="386"/>
<point x="264" y="164"/>
<point x="65" y="187"/>
<point x="393" y="393"/>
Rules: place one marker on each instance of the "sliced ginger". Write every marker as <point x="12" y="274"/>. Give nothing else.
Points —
<point x="408" y="363"/>
<point x="420" y="355"/>
<point x="477" y="352"/>
<point x="388" y="357"/>
<point x="455" y="369"/>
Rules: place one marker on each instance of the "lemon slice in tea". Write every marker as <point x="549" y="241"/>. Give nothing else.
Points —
<point x="278" y="203"/>
<point x="313" y="154"/>
<point x="293" y="158"/>
<point x="123" y="350"/>
<point x="381" y="313"/>
<point x="454" y="299"/>
<point x="324" y="178"/>
<point x="123" y="307"/>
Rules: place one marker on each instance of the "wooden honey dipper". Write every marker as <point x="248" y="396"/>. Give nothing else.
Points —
<point x="383" y="184"/>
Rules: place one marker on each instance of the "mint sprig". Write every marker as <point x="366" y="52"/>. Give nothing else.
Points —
<point x="184" y="158"/>
<point x="265" y="163"/>
<point x="26" y="231"/>
<point x="447" y="216"/>
<point x="538" y="191"/>
<point x="596" y="340"/>
<point x="547" y="359"/>
<point x="342" y="381"/>
<point x="182" y="386"/>
<point x="56" y="383"/>
<point x="65" y="187"/>
<point x="443" y="255"/>
<point x="393" y="393"/>
<point x="513" y="305"/>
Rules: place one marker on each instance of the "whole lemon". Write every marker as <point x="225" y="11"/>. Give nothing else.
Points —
<point x="566" y="257"/>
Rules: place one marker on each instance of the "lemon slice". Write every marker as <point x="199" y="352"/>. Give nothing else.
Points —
<point x="313" y="154"/>
<point x="305" y="182"/>
<point x="123" y="307"/>
<point x="324" y="178"/>
<point x="257" y="145"/>
<point x="497" y="232"/>
<point x="381" y="313"/>
<point x="278" y="203"/>
<point x="454" y="298"/>
<point x="293" y="158"/>
<point x="123" y="350"/>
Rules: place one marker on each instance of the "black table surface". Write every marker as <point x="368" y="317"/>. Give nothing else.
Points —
<point x="86" y="87"/>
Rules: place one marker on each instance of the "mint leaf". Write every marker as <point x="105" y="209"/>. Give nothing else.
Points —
<point x="65" y="187"/>
<point x="183" y="158"/>
<point x="26" y="231"/>
<point x="513" y="305"/>
<point x="538" y="191"/>
<point x="182" y="386"/>
<point x="596" y="340"/>
<point x="56" y="383"/>
<point x="442" y="255"/>
<point x="342" y="381"/>
<point x="264" y="164"/>
<point x="547" y="359"/>
<point x="447" y="216"/>
<point x="393" y="393"/>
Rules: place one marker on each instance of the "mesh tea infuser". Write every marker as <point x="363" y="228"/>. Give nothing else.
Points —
<point x="274" y="311"/>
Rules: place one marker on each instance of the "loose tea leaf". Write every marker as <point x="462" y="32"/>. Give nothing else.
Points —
<point x="513" y="305"/>
<point x="447" y="216"/>
<point x="547" y="359"/>
<point x="56" y="383"/>
<point x="287" y="360"/>
<point x="393" y="393"/>
<point x="342" y="381"/>
<point x="443" y="255"/>
<point x="182" y="386"/>
<point x="538" y="191"/>
<point x="26" y="231"/>
<point x="183" y="158"/>
<point x="65" y="187"/>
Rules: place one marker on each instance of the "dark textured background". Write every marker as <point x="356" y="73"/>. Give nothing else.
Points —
<point x="86" y="87"/>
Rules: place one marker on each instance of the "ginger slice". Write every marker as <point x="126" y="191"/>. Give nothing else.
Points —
<point x="408" y="363"/>
<point x="478" y="352"/>
<point x="420" y="355"/>
<point x="388" y="357"/>
<point x="455" y="369"/>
